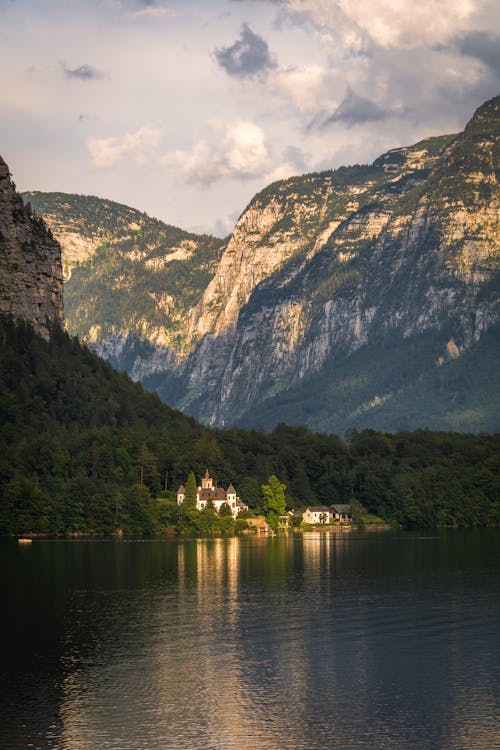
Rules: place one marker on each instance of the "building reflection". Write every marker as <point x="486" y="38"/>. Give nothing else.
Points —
<point x="230" y="643"/>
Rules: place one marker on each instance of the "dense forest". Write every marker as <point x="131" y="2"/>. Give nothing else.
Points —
<point x="84" y="449"/>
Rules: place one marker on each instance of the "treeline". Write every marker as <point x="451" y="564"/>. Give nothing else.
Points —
<point x="84" y="449"/>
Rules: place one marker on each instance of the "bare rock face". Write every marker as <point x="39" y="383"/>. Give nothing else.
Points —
<point x="31" y="286"/>
<point x="419" y="258"/>
<point x="361" y="296"/>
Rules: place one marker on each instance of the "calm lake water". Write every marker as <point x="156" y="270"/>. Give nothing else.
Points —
<point x="310" y="642"/>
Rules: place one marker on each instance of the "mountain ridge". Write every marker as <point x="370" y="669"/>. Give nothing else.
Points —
<point x="319" y="267"/>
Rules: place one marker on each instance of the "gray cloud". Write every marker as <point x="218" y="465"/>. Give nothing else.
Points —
<point x="353" y="110"/>
<point x="296" y="157"/>
<point x="483" y="46"/>
<point x="83" y="72"/>
<point x="249" y="56"/>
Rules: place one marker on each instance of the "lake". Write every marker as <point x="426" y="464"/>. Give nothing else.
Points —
<point x="313" y="641"/>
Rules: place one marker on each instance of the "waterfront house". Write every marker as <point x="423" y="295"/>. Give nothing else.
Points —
<point x="341" y="512"/>
<point x="316" y="514"/>
<point x="286" y="518"/>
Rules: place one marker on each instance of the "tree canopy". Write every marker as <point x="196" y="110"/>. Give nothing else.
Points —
<point x="84" y="449"/>
<point x="274" y="499"/>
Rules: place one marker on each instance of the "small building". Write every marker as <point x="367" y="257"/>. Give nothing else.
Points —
<point x="286" y="518"/>
<point x="316" y="514"/>
<point x="341" y="512"/>
<point x="208" y="494"/>
<point x="259" y="523"/>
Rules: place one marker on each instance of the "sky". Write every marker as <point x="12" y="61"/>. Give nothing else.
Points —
<point x="185" y="109"/>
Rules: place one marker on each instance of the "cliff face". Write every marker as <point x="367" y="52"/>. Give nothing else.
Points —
<point x="31" y="285"/>
<point x="420" y="257"/>
<point x="131" y="280"/>
<point x="360" y="296"/>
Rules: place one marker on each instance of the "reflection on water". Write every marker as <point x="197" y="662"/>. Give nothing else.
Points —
<point x="310" y="641"/>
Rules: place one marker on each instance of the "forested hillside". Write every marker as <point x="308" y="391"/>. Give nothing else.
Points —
<point x="84" y="449"/>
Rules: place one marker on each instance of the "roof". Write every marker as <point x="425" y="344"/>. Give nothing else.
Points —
<point x="317" y="509"/>
<point x="181" y="488"/>
<point x="231" y="489"/>
<point x="341" y="508"/>
<point x="217" y="493"/>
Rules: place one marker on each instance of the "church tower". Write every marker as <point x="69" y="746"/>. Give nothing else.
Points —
<point x="206" y="482"/>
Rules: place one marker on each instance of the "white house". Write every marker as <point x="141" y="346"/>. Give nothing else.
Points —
<point x="316" y="514"/>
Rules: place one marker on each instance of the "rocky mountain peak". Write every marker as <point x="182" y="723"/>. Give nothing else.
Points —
<point x="31" y="286"/>
<point x="485" y="117"/>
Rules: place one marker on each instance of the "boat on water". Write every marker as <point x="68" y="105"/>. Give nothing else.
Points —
<point x="24" y="540"/>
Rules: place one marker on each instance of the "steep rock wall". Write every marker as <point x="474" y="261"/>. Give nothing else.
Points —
<point x="31" y="286"/>
<point x="421" y="257"/>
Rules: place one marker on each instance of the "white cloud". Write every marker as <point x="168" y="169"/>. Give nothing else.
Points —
<point x="150" y="11"/>
<point x="389" y="23"/>
<point x="281" y="172"/>
<point x="241" y="152"/>
<point x="140" y="146"/>
<point x="309" y="86"/>
<point x="431" y="63"/>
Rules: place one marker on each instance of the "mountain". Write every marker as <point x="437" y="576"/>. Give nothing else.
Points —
<point x="30" y="262"/>
<point x="364" y="296"/>
<point x="83" y="449"/>
<point x="121" y="265"/>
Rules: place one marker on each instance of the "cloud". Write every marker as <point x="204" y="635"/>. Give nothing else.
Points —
<point x="240" y="153"/>
<point x="140" y="146"/>
<point x="353" y="110"/>
<point x="304" y="86"/>
<point x="150" y="11"/>
<point x="390" y="24"/>
<point x="137" y="10"/>
<point x="83" y="73"/>
<point x="249" y="56"/>
<point x="223" y="226"/>
<point x="483" y="46"/>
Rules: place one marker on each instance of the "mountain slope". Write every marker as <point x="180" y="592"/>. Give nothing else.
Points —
<point x="419" y="261"/>
<point x="83" y="449"/>
<point x="30" y="262"/>
<point x="400" y="256"/>
<point x="130" y="279"/>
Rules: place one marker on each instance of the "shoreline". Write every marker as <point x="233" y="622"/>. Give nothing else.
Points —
<point x="170" y="535"/>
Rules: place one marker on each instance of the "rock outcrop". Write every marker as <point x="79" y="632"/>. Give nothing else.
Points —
<point x="31" y="286"/>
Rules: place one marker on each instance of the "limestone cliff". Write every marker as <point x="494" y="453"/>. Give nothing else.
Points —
<point x="30" y="262"/>
<point x="360" y="296"/>
<point x="421" y="257"/>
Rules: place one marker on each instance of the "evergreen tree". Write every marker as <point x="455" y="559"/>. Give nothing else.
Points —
<point x="81" y="445"/>
<point x="190" y="499"/>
